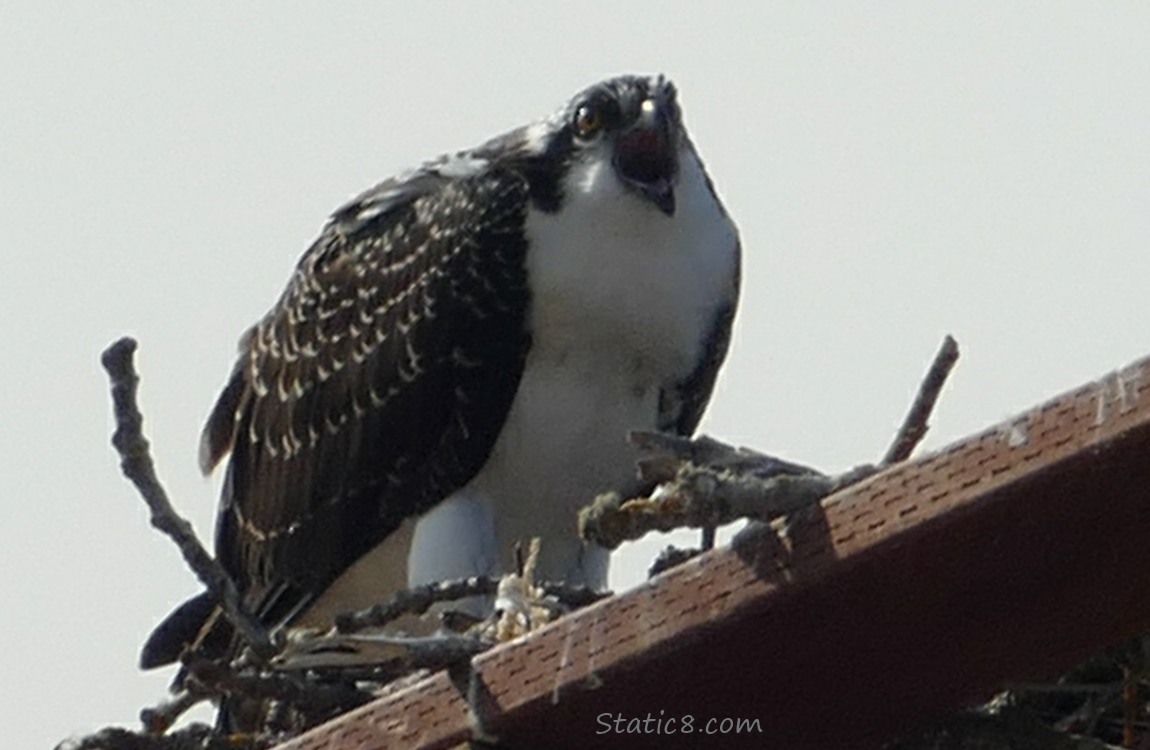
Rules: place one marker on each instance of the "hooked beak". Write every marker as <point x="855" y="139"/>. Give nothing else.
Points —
<point x="646" y="159"/>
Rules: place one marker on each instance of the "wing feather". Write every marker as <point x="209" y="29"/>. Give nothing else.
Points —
<point x="376" y="385"/>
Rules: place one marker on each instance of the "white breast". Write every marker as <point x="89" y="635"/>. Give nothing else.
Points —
<point x="624" y="298"/>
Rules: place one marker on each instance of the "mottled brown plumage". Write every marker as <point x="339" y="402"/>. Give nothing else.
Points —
<point x="379" y="383"/>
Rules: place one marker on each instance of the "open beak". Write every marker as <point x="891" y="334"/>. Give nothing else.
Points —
<point x="646" y="159"/>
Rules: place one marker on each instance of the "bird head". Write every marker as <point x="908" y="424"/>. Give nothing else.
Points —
<point x="627" y="129"/>
<point x="633" y="123"/>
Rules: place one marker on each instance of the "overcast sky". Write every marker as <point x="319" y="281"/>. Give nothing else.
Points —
<point x="898" y="173"/>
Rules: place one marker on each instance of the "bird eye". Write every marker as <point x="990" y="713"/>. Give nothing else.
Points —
<point x="589" y="119"/>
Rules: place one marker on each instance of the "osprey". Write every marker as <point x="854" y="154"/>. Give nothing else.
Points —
<point x="457" y="359"/>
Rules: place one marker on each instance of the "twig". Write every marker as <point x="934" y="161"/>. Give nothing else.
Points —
<point x="307" y="696"/>
<point x="159" y="719"/>
<point x="664" y="455"/>
<point x="704" y="483"/>
<point x="572" y="596"/>
<point x="339" y="654"/>
<point x="915" y="425"/>
<point x="136" y="464"/>
<point x="700" y="496"/>
<point x="415" y="601"/>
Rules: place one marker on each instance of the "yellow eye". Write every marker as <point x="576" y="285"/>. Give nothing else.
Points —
<point x="588" y="120"/>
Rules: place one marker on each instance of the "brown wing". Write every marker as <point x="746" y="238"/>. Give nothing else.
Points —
<point x="375" y="387"/>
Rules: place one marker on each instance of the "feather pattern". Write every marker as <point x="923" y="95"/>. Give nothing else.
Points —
<point x="376" y="384"/>
<point x="387" y="378"/>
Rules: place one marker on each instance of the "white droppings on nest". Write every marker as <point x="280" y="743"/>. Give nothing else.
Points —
<point x="519" y="603"/>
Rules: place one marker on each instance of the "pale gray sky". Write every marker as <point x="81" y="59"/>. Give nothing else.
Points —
<point x="898" y="172"/>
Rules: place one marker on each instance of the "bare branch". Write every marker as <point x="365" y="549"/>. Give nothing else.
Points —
<point x="159" y="719"/>
<point x="704" y="483"/>
<point x="664" y="455"/>
<point x="385" y="656"/>
<point x="136" y="464"/>
<point x="310" y="696"/>
<point x="572" y="596"/>
<point x="699" y="497"/>
<point x="415" y="601"/>
<point x="915" y="425"/>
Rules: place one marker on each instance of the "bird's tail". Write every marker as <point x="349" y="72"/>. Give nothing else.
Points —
<point x="198" y="625"/>
<point x="194" y="624"/>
